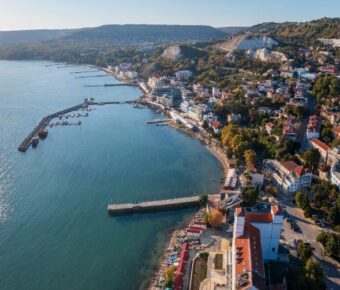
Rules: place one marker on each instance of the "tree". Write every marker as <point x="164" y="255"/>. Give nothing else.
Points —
<point x="299" y="199"/>
<point x="312" y="157"/>
<point x="304" y="251"/>
<point x="249" y="156"/>
<point x="215" y="219"/>
<point x="250" y="195"/>
<point x="315" y="274"/>
<point x="203" y="198"/>
<point x="271" y="190"/>
<point x="169" y="276"/>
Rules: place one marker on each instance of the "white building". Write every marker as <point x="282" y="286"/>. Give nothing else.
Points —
<point x="156" y="83"/>
<point x="185" y="106"/>
<point x="335" y="175"/>
<point x="288" y="176"/>
<point x="256" y="239"/>
<point x="196" y="113"/>
<point x="183" y="74"/>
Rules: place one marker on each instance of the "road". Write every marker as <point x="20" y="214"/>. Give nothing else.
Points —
<point x="309" y="232"/>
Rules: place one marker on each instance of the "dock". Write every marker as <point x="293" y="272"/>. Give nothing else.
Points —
<point x="159" y="121"/>
<point x="44" y="123"/>
<point x="154" y="206"/>
<point x="26" y="143"/>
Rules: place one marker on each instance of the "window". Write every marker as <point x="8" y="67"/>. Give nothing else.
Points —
<point x="273" y="249"/>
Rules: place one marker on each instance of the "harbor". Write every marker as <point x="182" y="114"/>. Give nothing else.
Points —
<point x="41" y="131"/>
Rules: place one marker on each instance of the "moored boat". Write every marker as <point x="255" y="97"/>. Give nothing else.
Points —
<point x="35" y="141"/>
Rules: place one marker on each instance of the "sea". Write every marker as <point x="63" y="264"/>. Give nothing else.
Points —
<point x="55" y="232"/>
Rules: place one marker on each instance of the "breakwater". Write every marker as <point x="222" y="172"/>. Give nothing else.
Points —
<point x="27" y="142"/>
<point x="154" y="206"/>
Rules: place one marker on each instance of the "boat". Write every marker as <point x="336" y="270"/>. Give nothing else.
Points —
<point x="43" y="133"/>
<point x="35" y="141"/>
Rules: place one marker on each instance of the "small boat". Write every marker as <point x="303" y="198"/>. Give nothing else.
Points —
<point x="35" y="141"/>
<point x="43" y="133"/>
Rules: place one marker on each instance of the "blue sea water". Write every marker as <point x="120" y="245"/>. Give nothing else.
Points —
<point x="55" y="232"/>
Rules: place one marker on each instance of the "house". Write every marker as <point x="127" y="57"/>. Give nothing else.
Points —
<point x="195" y="112"/>
<point x="336" y="132"/>
<point x="313" y="127"/>
<point x="156" y="83"/>
<point x="335" y="175"/>
<point x="288" y="176"/>
<point x="269" y="127"/>
<point x="183" y="74"/>
<point x="321" y="147"/>
<point x="256" y="239"/>
<point x="234" y="118"/>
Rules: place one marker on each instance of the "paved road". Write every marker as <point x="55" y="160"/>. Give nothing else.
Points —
<point x="309" y="231"/>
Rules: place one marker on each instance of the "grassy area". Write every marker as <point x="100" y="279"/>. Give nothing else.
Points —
<point x="199" y="271"/>
<point x="218" y="261"/>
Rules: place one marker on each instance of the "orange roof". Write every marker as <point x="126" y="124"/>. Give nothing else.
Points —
<point x="257" y="217"/>
<point x="289" y="165"/>
<point x="239" y="211"/>
<point x="276" y="209"/>
<point x="299" y="170"/>
<point x="336" y="130"/>
<point x="320" y="144"/>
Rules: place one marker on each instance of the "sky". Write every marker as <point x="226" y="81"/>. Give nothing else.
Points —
<point x="38" y="14"/>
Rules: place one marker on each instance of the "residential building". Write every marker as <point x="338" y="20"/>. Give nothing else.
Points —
<point x="313" y="127"/>
<point x="288" y="176"/>
<point x="195" y="112"/>
<point x="183" y="74"/>
<point x="256" y="239"/>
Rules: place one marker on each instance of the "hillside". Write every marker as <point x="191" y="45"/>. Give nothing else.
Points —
<point x="229" y="31"/>
<point x="115" y="34"/>
<point x="32" y="36"/>
<point x="177" y="52"/>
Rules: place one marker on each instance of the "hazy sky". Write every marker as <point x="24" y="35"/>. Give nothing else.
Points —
<point x="28" y="14"/>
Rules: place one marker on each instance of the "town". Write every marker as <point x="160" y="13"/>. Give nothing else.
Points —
<point x="271" y="115"/>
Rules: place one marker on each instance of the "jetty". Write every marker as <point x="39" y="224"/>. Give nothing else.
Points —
<point x="110" y="85"/>
<point x="27" y="142"/>
<point x="159" y="121"/>
<point x="44" y="123"/>
<point x="154" y="206"/>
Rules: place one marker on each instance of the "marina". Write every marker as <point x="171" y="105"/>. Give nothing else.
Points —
<point x="40" y="129"/>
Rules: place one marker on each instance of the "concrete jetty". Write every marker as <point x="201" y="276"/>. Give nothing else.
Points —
<point x="46" y="120"/>
<point x="43" y="124"/>
<point x="153" y="206"/>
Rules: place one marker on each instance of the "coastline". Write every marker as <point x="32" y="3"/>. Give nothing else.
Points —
<point x="171" y="239"/>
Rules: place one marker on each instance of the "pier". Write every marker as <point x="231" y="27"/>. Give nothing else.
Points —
<point x="26" y="143"/>
<point x="154" y="206"/>
<point x="159" y="121"/>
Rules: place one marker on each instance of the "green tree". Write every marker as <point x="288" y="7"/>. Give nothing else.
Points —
<point x="203" y="198"/>
<point x="315" y="274"/>
<point x="249" y="156"/>
<point x="250" y="195"/>
<point x="312" y="158"/>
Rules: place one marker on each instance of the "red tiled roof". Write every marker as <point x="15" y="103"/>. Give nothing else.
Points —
<point x="191" y="230"/>
<point x="256" y="217"/>
<point x="289" y="165"/>
<point x="239" y="211"/>
<point x="320" y="144"/>
<point x="336" y="130"/>
<point x="299" y="170"/>
<point x="276" y="209"/>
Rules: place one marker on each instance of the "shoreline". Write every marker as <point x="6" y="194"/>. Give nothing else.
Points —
<point x="217" y="151"/>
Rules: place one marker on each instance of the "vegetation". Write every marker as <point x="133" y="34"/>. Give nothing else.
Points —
<point x="215" y="219"/>
<point x="306" y="274"/>
<point x="203" y="198"/>
<point x="312" y="158"/>
<point x="330" y="242"/>
<point x="169" y="276"/>
<point x="250" y="195"/>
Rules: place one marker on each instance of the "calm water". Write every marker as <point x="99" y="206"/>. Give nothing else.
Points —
<point x="54" y="229"/>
